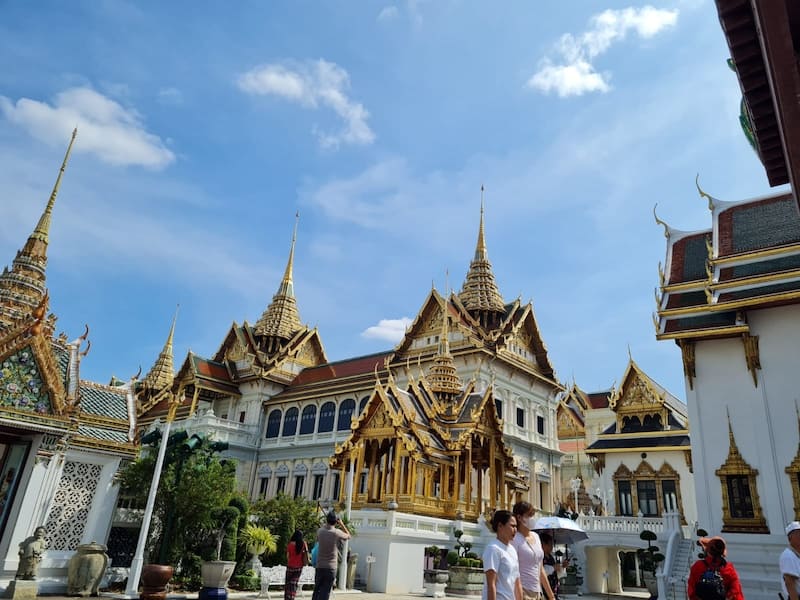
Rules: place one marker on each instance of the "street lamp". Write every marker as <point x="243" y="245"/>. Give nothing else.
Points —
<point x="576" y="485"/>
<point x="132" y="589"/>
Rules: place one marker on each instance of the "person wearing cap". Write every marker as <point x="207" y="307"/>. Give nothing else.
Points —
<point x="328" y="537"/>
<point x="714" y="560"/>
<point x="790" y="562"/>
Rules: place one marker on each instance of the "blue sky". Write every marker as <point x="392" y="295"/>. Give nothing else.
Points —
<point x="203" y="127"/>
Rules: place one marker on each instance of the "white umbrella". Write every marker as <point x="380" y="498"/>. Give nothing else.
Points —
<point x="564" y="531"/>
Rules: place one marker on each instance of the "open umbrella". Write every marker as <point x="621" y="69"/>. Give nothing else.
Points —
<point x="564" y="531"/>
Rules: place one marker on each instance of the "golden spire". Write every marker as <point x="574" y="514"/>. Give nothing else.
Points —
<point x="443" y="376"/>
<point x="281" y="318"/>
<point x="163" y="372"/>
<point x="479" y="292"/>
<point x="23" y="288"/>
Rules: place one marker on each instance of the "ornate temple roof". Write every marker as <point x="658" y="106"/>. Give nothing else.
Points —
<point x="749" y="258"/>
<point x="281" y="318"/>
<point x="162" y="372"/>
<point x="480" y="292"/>
<point x="23" y="288"/>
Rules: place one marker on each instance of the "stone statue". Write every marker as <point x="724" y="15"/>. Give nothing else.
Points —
<point x="30" y="554"/>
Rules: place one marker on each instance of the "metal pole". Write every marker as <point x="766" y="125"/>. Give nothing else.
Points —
<point x="132" y="590"/>
<point x="348" y="506"/>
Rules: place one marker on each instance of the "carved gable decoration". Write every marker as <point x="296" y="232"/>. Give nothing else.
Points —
<point x="380" y="420"/>
<point x="644" y="471"/>
<point x="637" y="397"/>
<point x="22" y="386"/>
<point x="311" y="353"/>
<point x="568" y="424"/>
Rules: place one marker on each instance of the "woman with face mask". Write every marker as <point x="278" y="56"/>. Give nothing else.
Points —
<point x="535" y="585"/>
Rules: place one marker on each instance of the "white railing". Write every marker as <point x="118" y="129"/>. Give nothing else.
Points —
<point x="635" y="525"/>
<point x="222" y="430"/>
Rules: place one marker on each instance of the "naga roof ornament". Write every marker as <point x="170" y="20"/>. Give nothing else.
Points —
<point x="281" y="318"/>
<point x="480" y="290"/>
<point x="23" y="287"/>
<point x="162" y="373"/>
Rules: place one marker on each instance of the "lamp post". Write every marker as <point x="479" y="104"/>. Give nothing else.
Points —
<point x="132" y="589"/>
<point x="576" y="485"/>
<point x="348" y="506"/>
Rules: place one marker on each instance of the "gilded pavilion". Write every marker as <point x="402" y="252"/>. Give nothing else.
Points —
<point x="458" y="417"/>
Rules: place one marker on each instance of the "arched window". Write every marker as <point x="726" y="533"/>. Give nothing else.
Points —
<point x="290" y="422"/>
<point x="346" y="409"/>
<point x="363" y="404"/>
<point x="308" y="419"/>
<point x="274" y="424"/>
<point x="326" y="416"/>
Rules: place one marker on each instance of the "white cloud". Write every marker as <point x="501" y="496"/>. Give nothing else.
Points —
<point x="314" y="84"/>
<point x="390" y="330"/>
<point x="108" y="130"/>
<point x="576" y="74"/>
<point x="388" y="13"/>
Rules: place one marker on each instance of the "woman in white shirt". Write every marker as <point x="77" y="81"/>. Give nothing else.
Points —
<point x="530" y="554"/>
<point x="500" y="560"/>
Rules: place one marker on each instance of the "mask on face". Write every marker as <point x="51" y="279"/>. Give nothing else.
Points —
<point x="525" y="522"/>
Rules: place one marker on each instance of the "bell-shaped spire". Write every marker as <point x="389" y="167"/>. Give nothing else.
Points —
<point x="443" y="376"/>
<point x="23" y="287"/>
<point x="162" y="373"/>
<point x="480" y="293"/>
<point x="281" y="318"/>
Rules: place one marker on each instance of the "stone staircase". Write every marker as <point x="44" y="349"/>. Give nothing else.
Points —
<point x="684" y="558"/>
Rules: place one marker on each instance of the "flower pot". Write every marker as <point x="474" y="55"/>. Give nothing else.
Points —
<point x="216" y="573"/>
<point x="85" y="569"/>
<point x="154" y="582"/>
<point x="465" y="581"/>
<point x="651" y="583"/>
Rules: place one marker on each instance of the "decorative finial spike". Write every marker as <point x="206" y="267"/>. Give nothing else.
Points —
<point x="703" y="194"/>
<point x="660" y="222"/>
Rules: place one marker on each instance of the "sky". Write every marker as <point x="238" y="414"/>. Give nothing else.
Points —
<point x="204" y="127"/>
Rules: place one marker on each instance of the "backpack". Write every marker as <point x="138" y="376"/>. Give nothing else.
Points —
<point x="710" y="585"/>
<point x="314" y="555"/>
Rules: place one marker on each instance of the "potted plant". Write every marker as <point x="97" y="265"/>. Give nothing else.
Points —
<point x="649" y="559"/>
<point x="215" y="574"/>
<point x="465" y="568"/>
<point x="257" y="541"/>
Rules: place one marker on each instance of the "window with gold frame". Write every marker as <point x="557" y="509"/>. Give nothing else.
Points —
<point x="793" y="471"/>
<point x="662" y="489"/>
<point x="741" y="507"/>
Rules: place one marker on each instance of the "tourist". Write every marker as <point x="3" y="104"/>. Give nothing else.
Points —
<point x="296" y="559"/>
<point x="328" y="537"/>
<point x="551" y="566"/>
<point x="530" y="554"/>
<point x="712" y="577"/>
<point x="500" y="562"/>
<point x="790" y="563"/>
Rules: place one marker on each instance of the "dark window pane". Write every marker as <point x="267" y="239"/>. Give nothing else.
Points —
<point x="648" y="503"/>
<point x="363" y="404"/>
<point x="308" y="419"/>
<point x="669" y="495"/>
<point x="540" y="425"/>
<point x="741" y="503"/>
<point x="346" y="409"/>
<point x="624" y="499"/>
<point x="520" y="417"/>
<point x="299" y="481"/>
<point x="498" y="405"/>
<point x="290" y="422"/>
<point x="274" y="424"/>
<point x="326" y="417"/>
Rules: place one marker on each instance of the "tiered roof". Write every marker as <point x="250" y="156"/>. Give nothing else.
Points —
<point x="748" y="259"/>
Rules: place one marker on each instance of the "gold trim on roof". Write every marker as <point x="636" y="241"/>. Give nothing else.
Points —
<point x="443" y="377"/>
<point x="162" y="373"/>
<point x="480" y="291"/>
<point x="23" y="287"/>
<point x="793" y="471"/>
<point x="281" y="318"/>
<point x="687" y="354"/>
<point x="751" y="355"/>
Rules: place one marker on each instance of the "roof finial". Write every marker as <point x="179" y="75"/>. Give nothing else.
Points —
<point x="287" y="275"/>
<point x="163" y="372"/>
<point x="43" y="227"/>
<point x="660" y="222"/>
<point x="703" y="194"/>
<point x="480" y="248"/>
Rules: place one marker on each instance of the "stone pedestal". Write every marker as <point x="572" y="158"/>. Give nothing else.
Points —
<point x="435" y="590"/>
<point x="22" y="589"/>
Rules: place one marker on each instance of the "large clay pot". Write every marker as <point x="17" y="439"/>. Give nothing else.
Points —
<point x="465" y="581"/>
<point x="85" y="569"/>
<point x="154" y="582"/>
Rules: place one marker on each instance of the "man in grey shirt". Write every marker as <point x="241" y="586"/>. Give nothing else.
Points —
<point x="327" y="544"/>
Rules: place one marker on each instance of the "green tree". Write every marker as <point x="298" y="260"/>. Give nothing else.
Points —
<point x="194" y="483"/>
<point x="283" y="515"/>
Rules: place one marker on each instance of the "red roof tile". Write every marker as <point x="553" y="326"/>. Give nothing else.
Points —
<point x="345" y="368"/>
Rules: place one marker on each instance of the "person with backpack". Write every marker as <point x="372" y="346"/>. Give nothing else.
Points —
<point x="712" y="577"/>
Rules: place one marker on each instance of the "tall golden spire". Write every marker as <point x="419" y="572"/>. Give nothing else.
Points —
<point x="281" y="318"/>
<point x="163" y="372"/>
<point x="479" y="292"/>
<point x="443" y="376"/>
<point x="23" y="288"/>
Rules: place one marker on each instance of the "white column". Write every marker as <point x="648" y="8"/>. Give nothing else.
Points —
<point x="348" y="507"/>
